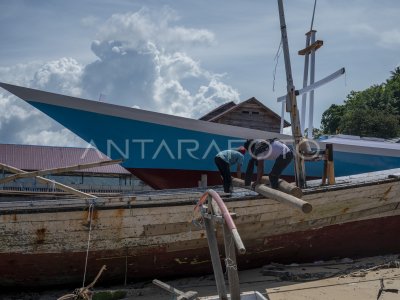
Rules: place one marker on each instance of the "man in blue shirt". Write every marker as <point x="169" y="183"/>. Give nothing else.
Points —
<point x="224" y="160"/>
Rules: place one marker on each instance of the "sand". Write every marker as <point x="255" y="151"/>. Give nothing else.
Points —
<point x="367" y="278"/>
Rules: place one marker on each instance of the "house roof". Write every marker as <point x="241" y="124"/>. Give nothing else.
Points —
<point x="217" y="111"/>
<point x="33" y="158"/>
<point x="228" y="107"/>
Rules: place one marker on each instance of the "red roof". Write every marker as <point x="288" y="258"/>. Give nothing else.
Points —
<point x="33" y="158"/>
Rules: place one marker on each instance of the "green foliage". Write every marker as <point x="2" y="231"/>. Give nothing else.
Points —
<point x="372" y="112"/>
<point x="316" y="132"/>
<point x="331" y="119"/>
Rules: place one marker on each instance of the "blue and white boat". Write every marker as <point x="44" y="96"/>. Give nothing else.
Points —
<point x="167" y="151"/>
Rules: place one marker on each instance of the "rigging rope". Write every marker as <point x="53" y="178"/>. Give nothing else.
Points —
<point x="278" y="53"/>
<point x="313" y="14"/>
<point x="229" y="262"/>
<point x="90" y="217"/>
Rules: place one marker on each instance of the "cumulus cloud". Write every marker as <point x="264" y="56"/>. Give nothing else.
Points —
<point x="139" y="64"/>
<point x="136" y="29"/>
<point x="142" y="61"/>
<point x="19" y="122"/>
<point x="62" y="76"/>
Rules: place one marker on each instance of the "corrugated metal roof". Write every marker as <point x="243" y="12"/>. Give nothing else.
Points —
<point x="32" y="158"/>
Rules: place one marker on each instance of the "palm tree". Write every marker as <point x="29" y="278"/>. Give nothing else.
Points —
<point x="395" y="73"/>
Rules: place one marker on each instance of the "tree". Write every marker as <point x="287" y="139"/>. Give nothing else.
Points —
<point x="317" y="133"/>
<point x="374" y="111"/>
<point x="395" y="73"/>
<point x="369" y="122"/>
<point x="331" y="119"/>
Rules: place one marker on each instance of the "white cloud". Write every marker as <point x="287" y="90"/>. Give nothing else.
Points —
<point x="135" y="30"/>
<point x="63" y="76"/>
<point x="19" y="122"/>
<point x="138" y="65"/>
<point x="62" y="137"/>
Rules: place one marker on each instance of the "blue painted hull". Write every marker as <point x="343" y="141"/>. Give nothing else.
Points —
<point x="161" y="143"/>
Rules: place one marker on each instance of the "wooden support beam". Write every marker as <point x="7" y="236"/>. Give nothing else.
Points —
<point x="313" y="47"/>
<point x="286" y="187"/>
<point x="48" y="181"/>
<point x="214" y="253"/>
<point x="329" y="170"/>
<point x="230" y="256"/>
<point x="60" y="170"/>
<point x="277" y="195"/>
<point x="231" y="264"/>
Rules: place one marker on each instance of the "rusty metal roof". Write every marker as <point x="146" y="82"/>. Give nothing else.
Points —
<point x="32" y="158"/>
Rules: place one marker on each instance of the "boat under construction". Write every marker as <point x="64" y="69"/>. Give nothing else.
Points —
<point x="51" y="239"/>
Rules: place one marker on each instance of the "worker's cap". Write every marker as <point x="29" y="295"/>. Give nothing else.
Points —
<point x="242" y="150"/>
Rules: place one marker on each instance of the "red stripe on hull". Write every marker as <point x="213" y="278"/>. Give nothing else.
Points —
<point x="173" y="179"/>
<point x="353" y="239"/>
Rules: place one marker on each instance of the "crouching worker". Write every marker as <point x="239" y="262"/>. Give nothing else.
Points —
<point x="224" y="160"/>
<point x="261" y="150"/>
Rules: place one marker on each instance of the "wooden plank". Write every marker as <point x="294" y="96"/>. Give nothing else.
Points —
<point x="313" y="47"/>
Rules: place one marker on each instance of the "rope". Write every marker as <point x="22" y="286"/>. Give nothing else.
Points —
<point x="84" y="293"/>
<point x="278" y="53"/>
<point x="90" y="216"/>
<point x="230" y="263"/>
<point x="312" y="19"/>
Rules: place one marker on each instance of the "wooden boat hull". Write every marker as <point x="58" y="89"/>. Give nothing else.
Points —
<point x="44" y="243"/>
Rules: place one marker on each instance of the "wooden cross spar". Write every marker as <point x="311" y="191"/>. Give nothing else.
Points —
<point x="57" y="170"/>
<point x="311" y="87"/>
<point x="48" y="181"/>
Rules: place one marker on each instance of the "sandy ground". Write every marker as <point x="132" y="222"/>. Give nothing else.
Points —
<point x="375" y="278"/>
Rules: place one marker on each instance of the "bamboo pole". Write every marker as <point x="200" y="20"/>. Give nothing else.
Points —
<point x="277" y="195"/>
<point x="59" y="170"/>
<point x="48" y="181"/>
<point x="291" y="102"/>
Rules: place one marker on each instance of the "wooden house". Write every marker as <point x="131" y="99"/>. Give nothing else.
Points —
<point x="250" y="114"/>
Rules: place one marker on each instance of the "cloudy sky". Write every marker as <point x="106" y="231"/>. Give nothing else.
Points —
<point x="182" y="57"/>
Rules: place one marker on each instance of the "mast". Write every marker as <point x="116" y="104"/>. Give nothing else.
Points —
<point x="291" y="103"/>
